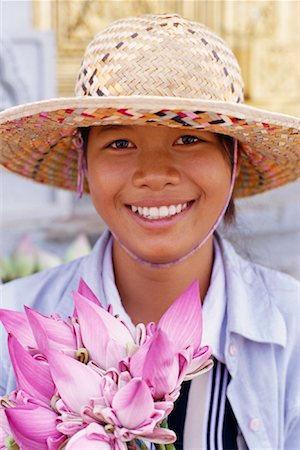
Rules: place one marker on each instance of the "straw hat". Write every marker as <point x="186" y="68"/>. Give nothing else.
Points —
<point x="157" y="70"/>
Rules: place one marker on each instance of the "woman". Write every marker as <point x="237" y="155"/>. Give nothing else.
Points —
<point x="162" y="141"/>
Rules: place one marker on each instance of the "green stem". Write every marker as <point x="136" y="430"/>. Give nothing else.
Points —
<point x="164" y="424"/>
<point x="11" y="444"/>
<point x="160" y="446"/>
<point x="143" y="445"/>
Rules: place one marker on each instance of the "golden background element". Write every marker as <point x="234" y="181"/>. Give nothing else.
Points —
<point x="264" y="35"/>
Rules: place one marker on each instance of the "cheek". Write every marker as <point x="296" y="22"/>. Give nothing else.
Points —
<point x="106" y="181"/>
<point x="100" y="184"/>
<point x="212" y="174"/>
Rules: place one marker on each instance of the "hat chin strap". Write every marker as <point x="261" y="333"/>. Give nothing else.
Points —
<point x="205" y="239"/>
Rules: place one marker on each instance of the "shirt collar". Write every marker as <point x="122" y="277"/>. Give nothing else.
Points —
<point x="214" y="308"/>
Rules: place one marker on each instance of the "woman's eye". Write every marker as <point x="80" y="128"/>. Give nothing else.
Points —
<point x="188" y="139"/>
<point x="121" y="144"/>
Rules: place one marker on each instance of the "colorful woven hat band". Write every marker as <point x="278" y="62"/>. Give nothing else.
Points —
<point x="156" y="71"/>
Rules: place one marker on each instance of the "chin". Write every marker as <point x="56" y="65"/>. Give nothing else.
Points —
<point x="161" y="257"/>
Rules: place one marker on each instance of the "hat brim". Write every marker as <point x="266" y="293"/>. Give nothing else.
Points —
<point x="37" y="139"/>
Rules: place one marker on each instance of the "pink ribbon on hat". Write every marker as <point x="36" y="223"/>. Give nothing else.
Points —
<point x="78" y="145"/>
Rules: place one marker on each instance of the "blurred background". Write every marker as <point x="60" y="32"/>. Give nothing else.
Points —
<point x="42" y="43"/>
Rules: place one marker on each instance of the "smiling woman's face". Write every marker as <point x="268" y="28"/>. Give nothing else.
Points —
<point x="158" y="189"/>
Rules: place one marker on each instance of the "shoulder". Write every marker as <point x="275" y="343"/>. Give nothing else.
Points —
<point x="42" y="290"/>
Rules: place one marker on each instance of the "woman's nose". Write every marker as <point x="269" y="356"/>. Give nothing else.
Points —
<point x="155" y="170"/>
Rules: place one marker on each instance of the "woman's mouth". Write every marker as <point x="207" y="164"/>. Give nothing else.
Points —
<point x="160" y="212"/>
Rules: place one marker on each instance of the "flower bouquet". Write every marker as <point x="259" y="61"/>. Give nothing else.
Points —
<point x="90" y="382"/>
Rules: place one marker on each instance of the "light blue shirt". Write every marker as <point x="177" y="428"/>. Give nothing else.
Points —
<point x="258" y="335"/>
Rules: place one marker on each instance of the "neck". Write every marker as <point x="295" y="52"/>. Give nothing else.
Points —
<point x="147" y="292"/>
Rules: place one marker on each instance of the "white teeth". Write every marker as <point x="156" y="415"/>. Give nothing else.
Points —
<point x="163" y="211"/>
<point x="172" y="210"/>
<point x="153" y="212"/>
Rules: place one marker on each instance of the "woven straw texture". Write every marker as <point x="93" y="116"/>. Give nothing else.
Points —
<point x="154" y="70"/>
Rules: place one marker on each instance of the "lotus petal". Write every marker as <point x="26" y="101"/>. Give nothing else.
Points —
<point x="115" y="352"/>
<point x="32" y="376"/>
<point x="161" y="365"/>
<point x="16" y="323"/>
<point x="93" y="330"/>
<point x="114" y="326"/>
<point x="161" y="436"/>
<point x="137" y="360"/>
<point x="97" y="328"/>
<point x="58" y="332"/>
<point x="133" y="404"/>
<point x="187" y="332"/>
<point x="198" y="367"/>
<point x="76" y="383"/>
<point x="92" y="437"/>
<point x="87" y="292"/>
<point x="32" y="425"/>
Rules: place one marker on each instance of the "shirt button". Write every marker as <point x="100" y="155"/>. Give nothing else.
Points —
<point x="232" y="350"/>
<point x="254" y="424"/>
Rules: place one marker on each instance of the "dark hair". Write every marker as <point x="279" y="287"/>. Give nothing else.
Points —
<point x="85" y="136"/>
<point x="228" y="144"/>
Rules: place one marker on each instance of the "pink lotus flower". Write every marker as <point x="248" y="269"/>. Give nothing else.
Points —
<point x="116" y="399"/>
<point x="32" y="375"/>
<point x="175" y="343"/>
<point x="186" y="334"/>
<point x="54" y="332"/>
<point x="17" y="324"/>
<point x="106" y="337"/>
<point x="34" y="427"/>
<point x="30" y="328"/>
<point x="30" y="417"/>
<point x="160" y="365"/>
<point x="89" y="381"/>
